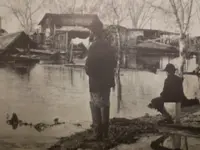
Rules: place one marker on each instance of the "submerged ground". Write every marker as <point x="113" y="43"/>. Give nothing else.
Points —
<point x="51" y="92"/>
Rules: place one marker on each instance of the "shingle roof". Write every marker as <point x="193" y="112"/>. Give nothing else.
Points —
<point x="153" y="30"/>
<point x="72" y="19"/>
<point x="8" y="39"/>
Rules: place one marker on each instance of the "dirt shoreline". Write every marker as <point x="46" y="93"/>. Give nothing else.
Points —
<point x="122" y="131"/>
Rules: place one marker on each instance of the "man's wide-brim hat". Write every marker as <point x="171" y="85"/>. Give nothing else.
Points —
<point x="170" y="67"/>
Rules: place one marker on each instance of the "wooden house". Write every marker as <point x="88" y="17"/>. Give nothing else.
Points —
<point x="10" y="43"/>
<point x="59" y="29"/>
<point x="194" y="48"/>
<point x="158" y="35"/>
<point x="149" y="53"/>
<point x="136" y="50"/>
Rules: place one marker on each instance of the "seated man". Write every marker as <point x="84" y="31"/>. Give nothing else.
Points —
<point x="172" y="92"/>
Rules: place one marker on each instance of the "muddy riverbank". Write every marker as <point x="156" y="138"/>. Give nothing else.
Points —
<point x="122" y="131"/>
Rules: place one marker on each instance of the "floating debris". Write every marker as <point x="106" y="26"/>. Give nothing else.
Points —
<point x="77" y="124"/>
<point x="56" y="120"/>
<point x="15" y="123"/>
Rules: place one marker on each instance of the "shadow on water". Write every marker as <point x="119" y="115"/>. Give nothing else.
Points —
<point x="22" y="71"/>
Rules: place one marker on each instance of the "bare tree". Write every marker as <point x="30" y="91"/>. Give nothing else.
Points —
<point x="113" y="11"/>
<point x="182" y="12"/>
<point x="198" y="9"/>
<point x="90" y="6"/>
<point x="74" y="6"/>
<point x="62" y="6"/>
<point x="24" y="11"/>
<point x="140" y="12"/>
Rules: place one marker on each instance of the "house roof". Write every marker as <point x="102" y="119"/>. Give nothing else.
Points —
<point x="151" y="45"/>
<point x="72" y="19"/>
<point x="154" y="30"/>
<point x="8" y="40"/>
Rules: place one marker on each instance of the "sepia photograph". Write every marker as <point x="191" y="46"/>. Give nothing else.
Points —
<point x="100" y="74"/>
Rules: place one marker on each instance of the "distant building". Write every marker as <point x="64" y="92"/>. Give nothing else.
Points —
<point x="143" y="47"/>
<point x="60" y="29"/>
<point x="10" y="43"/>
<point x="150" y="53"/>
<point x="194" y="48"/>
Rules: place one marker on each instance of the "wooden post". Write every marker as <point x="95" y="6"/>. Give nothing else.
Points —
<point x="177" y="113"/>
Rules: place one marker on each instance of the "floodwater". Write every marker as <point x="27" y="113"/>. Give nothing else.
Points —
<point x="57" y="91"/>
<point x="169" y="143"/>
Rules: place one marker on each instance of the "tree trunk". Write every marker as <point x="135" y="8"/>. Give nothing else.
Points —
<point x="118" y="81"/>
<point x="182" y="56"/>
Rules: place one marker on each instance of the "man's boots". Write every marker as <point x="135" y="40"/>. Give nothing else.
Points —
<point x="105" y="121"/>
<point x="96" y="122"/>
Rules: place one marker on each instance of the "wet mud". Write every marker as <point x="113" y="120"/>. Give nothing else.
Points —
<point x="122" y="131"/>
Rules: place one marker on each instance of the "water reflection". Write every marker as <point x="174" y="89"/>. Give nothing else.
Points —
<point x="175" y="142"/>
<point x="71" y="76"/>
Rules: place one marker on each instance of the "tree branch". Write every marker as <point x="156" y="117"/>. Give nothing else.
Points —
<point x="176" y="15"/>
<point x="182" y="15"/>
<point x="189" y="16"/>
<point x="158" y="7"/>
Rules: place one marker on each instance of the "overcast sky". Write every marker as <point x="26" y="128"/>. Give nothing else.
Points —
<point x="11" y="24"/>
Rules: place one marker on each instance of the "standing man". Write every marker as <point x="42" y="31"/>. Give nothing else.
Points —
<point x="100" y="66"/>
<point x="172" y="92"/>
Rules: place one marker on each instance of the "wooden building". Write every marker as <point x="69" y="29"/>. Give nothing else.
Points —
<point x="138" y="51"/>
<point x="10" y="42"/>
<point x="15" y="48"/>
<point x="59" y="29"/>
<point x="149" y="53"/>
